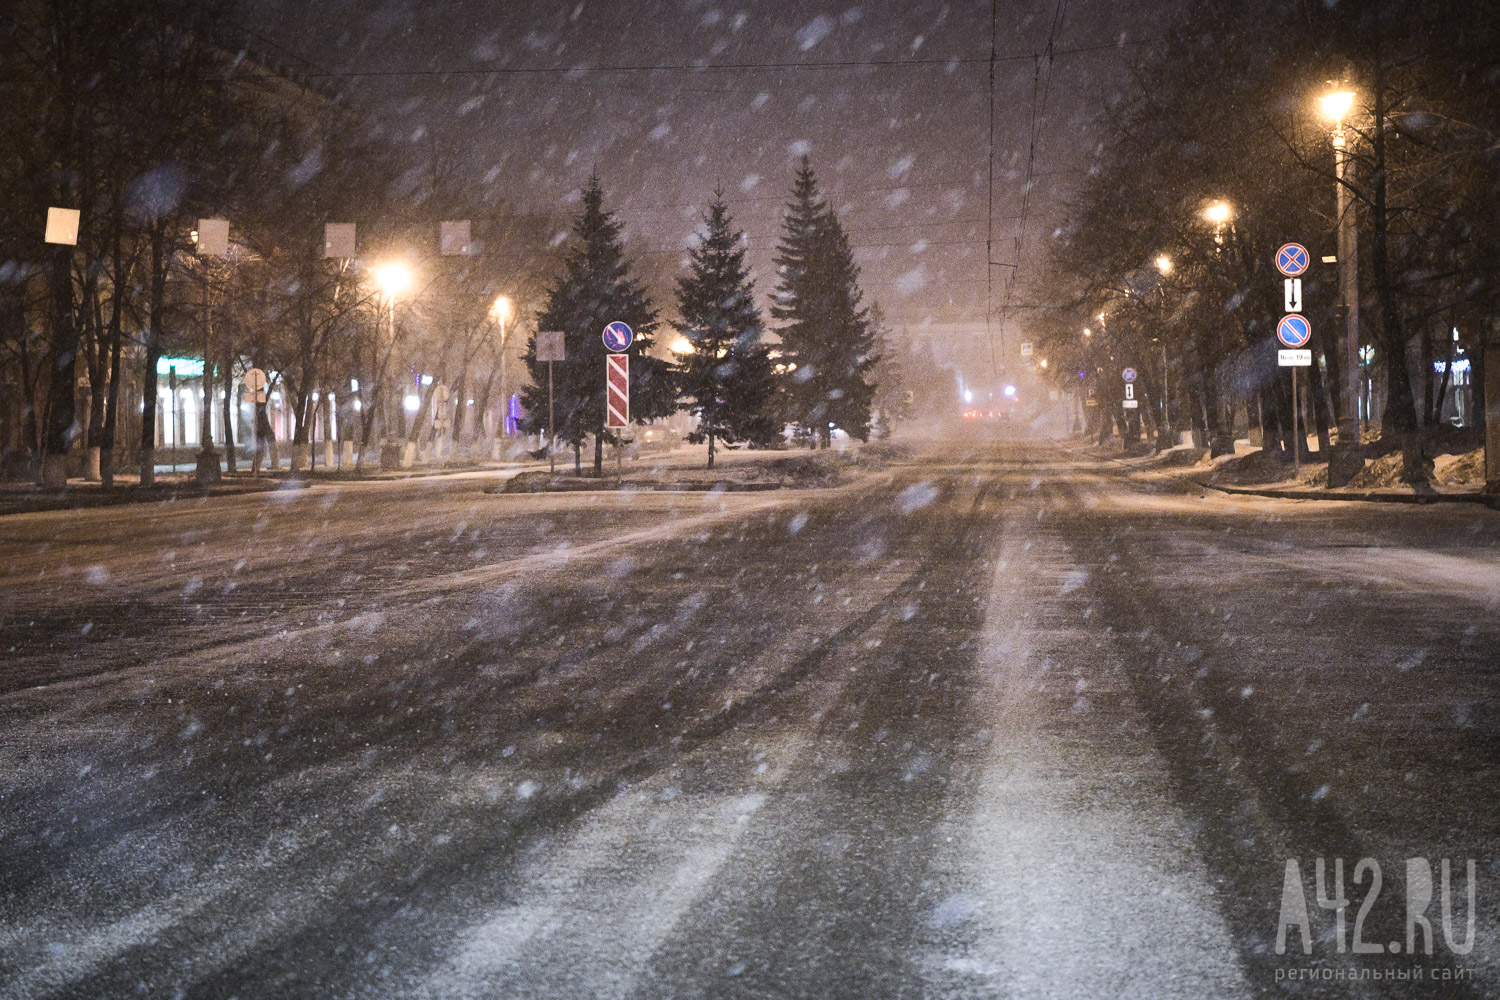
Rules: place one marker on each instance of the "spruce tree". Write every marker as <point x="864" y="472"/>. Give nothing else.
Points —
<point x="826" y="339"/>
<point x="726" y="378"/>
<point x="794" y="301"/>
<point x="848" y="348"/>
<point x="595" y="289"/>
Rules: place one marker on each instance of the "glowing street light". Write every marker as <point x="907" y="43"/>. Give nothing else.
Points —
<point x="682" y="346"/>
<point x="1336" y="106"/>
<point x="1164" y="264"/>
<point x="393" y="278"/>
<point x="1218" y="213"/>
<point x="501" y="309"/>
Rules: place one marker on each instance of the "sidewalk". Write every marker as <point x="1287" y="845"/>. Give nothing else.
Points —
<point x="1388" y="494"/>
<point x="27" y="497"/>
<point x="1174" y="463"/>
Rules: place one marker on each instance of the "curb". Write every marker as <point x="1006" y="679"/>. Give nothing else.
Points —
<point x="94" y="497"/>
<point x="720" y="487"/>
<point x="1368" y="497"/>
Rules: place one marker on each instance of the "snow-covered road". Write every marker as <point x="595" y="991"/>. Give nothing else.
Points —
<point x="994" y="722"/>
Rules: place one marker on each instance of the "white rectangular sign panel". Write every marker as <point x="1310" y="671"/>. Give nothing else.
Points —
<point x="338" y="239"/>
<point x="1296" y="358"/>
<point x="453" y="238"/>
<point x="549" y="346"/>
<point x="1293" y="290"/>
<point x="62" y="226"/>
<point x="213" y="237"/>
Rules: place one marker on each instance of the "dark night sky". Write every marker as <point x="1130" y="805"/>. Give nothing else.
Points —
<point x="900" y="149"/>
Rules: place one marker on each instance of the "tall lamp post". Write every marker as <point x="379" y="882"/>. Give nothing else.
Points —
<point x="393" y="278"/>
<point x="501" y="310"/>
<point x="1164" y="266"/>
<point x="1344" y="463"/>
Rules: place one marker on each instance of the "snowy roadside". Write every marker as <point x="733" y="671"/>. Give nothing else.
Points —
<point x="685" y="469"/>
<point x="1250" y="471"/>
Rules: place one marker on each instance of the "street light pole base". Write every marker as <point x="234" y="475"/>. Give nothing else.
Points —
<point x="1345" y="461"/>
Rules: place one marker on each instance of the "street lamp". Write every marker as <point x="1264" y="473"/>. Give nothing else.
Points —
<point x="1164" y="265"/>
<point x="501" y="310"/>
<point x="1218" y="213"/>
<point x="1336" y="107"/>
<point x="393" y="278"/>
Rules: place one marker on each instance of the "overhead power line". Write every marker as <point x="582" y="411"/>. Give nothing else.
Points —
<point x="737" y="67"/>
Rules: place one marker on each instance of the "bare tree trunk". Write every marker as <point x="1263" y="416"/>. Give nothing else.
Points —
<point x="156" y="309"/>
<point x="96" y="359"/>
<point x="1399" y="419"/>
<point x="116" y="339"/>
<point x="61" y="423"/>
<point x="229" y="411"/>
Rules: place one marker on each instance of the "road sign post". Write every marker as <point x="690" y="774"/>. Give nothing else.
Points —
<point x="618" y="337"/>
<point x="441" y="422"/>
<point x="617" y="400"/>
<point x="1294" y="331"/>
<point x="1292" y="259"/>
<point x="550" y="347"/>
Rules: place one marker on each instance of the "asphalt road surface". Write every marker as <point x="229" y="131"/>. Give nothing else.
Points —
<point x="995" y="721"/>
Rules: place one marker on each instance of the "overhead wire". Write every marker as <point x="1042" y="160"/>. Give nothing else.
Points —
<point x="1041" y="88"/>
<point x="739" y="67"/>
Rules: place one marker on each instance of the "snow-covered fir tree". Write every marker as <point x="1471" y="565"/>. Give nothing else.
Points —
<point x="827" y="346"/>
<point x="595" y="289"/>
<point x="725" y="378"/>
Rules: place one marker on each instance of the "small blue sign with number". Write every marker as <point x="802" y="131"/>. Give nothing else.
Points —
<point x="618" y="337"/>
<point x="1294" y="331"/>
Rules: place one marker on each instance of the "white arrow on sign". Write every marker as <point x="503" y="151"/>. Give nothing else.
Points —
<point x="1293" y="295"/>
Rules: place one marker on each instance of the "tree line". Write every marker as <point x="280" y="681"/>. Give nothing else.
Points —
<point x="817" y="378"/>
<point x="1217" y="155"/>
<point x="148" y="117"/>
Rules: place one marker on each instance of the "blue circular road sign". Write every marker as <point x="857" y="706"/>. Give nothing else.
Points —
<point x="618" y="337"/>
<point x="1294" y="331"/>
<point x="1292" y="259"/>
<point x="1128" y="374"/>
